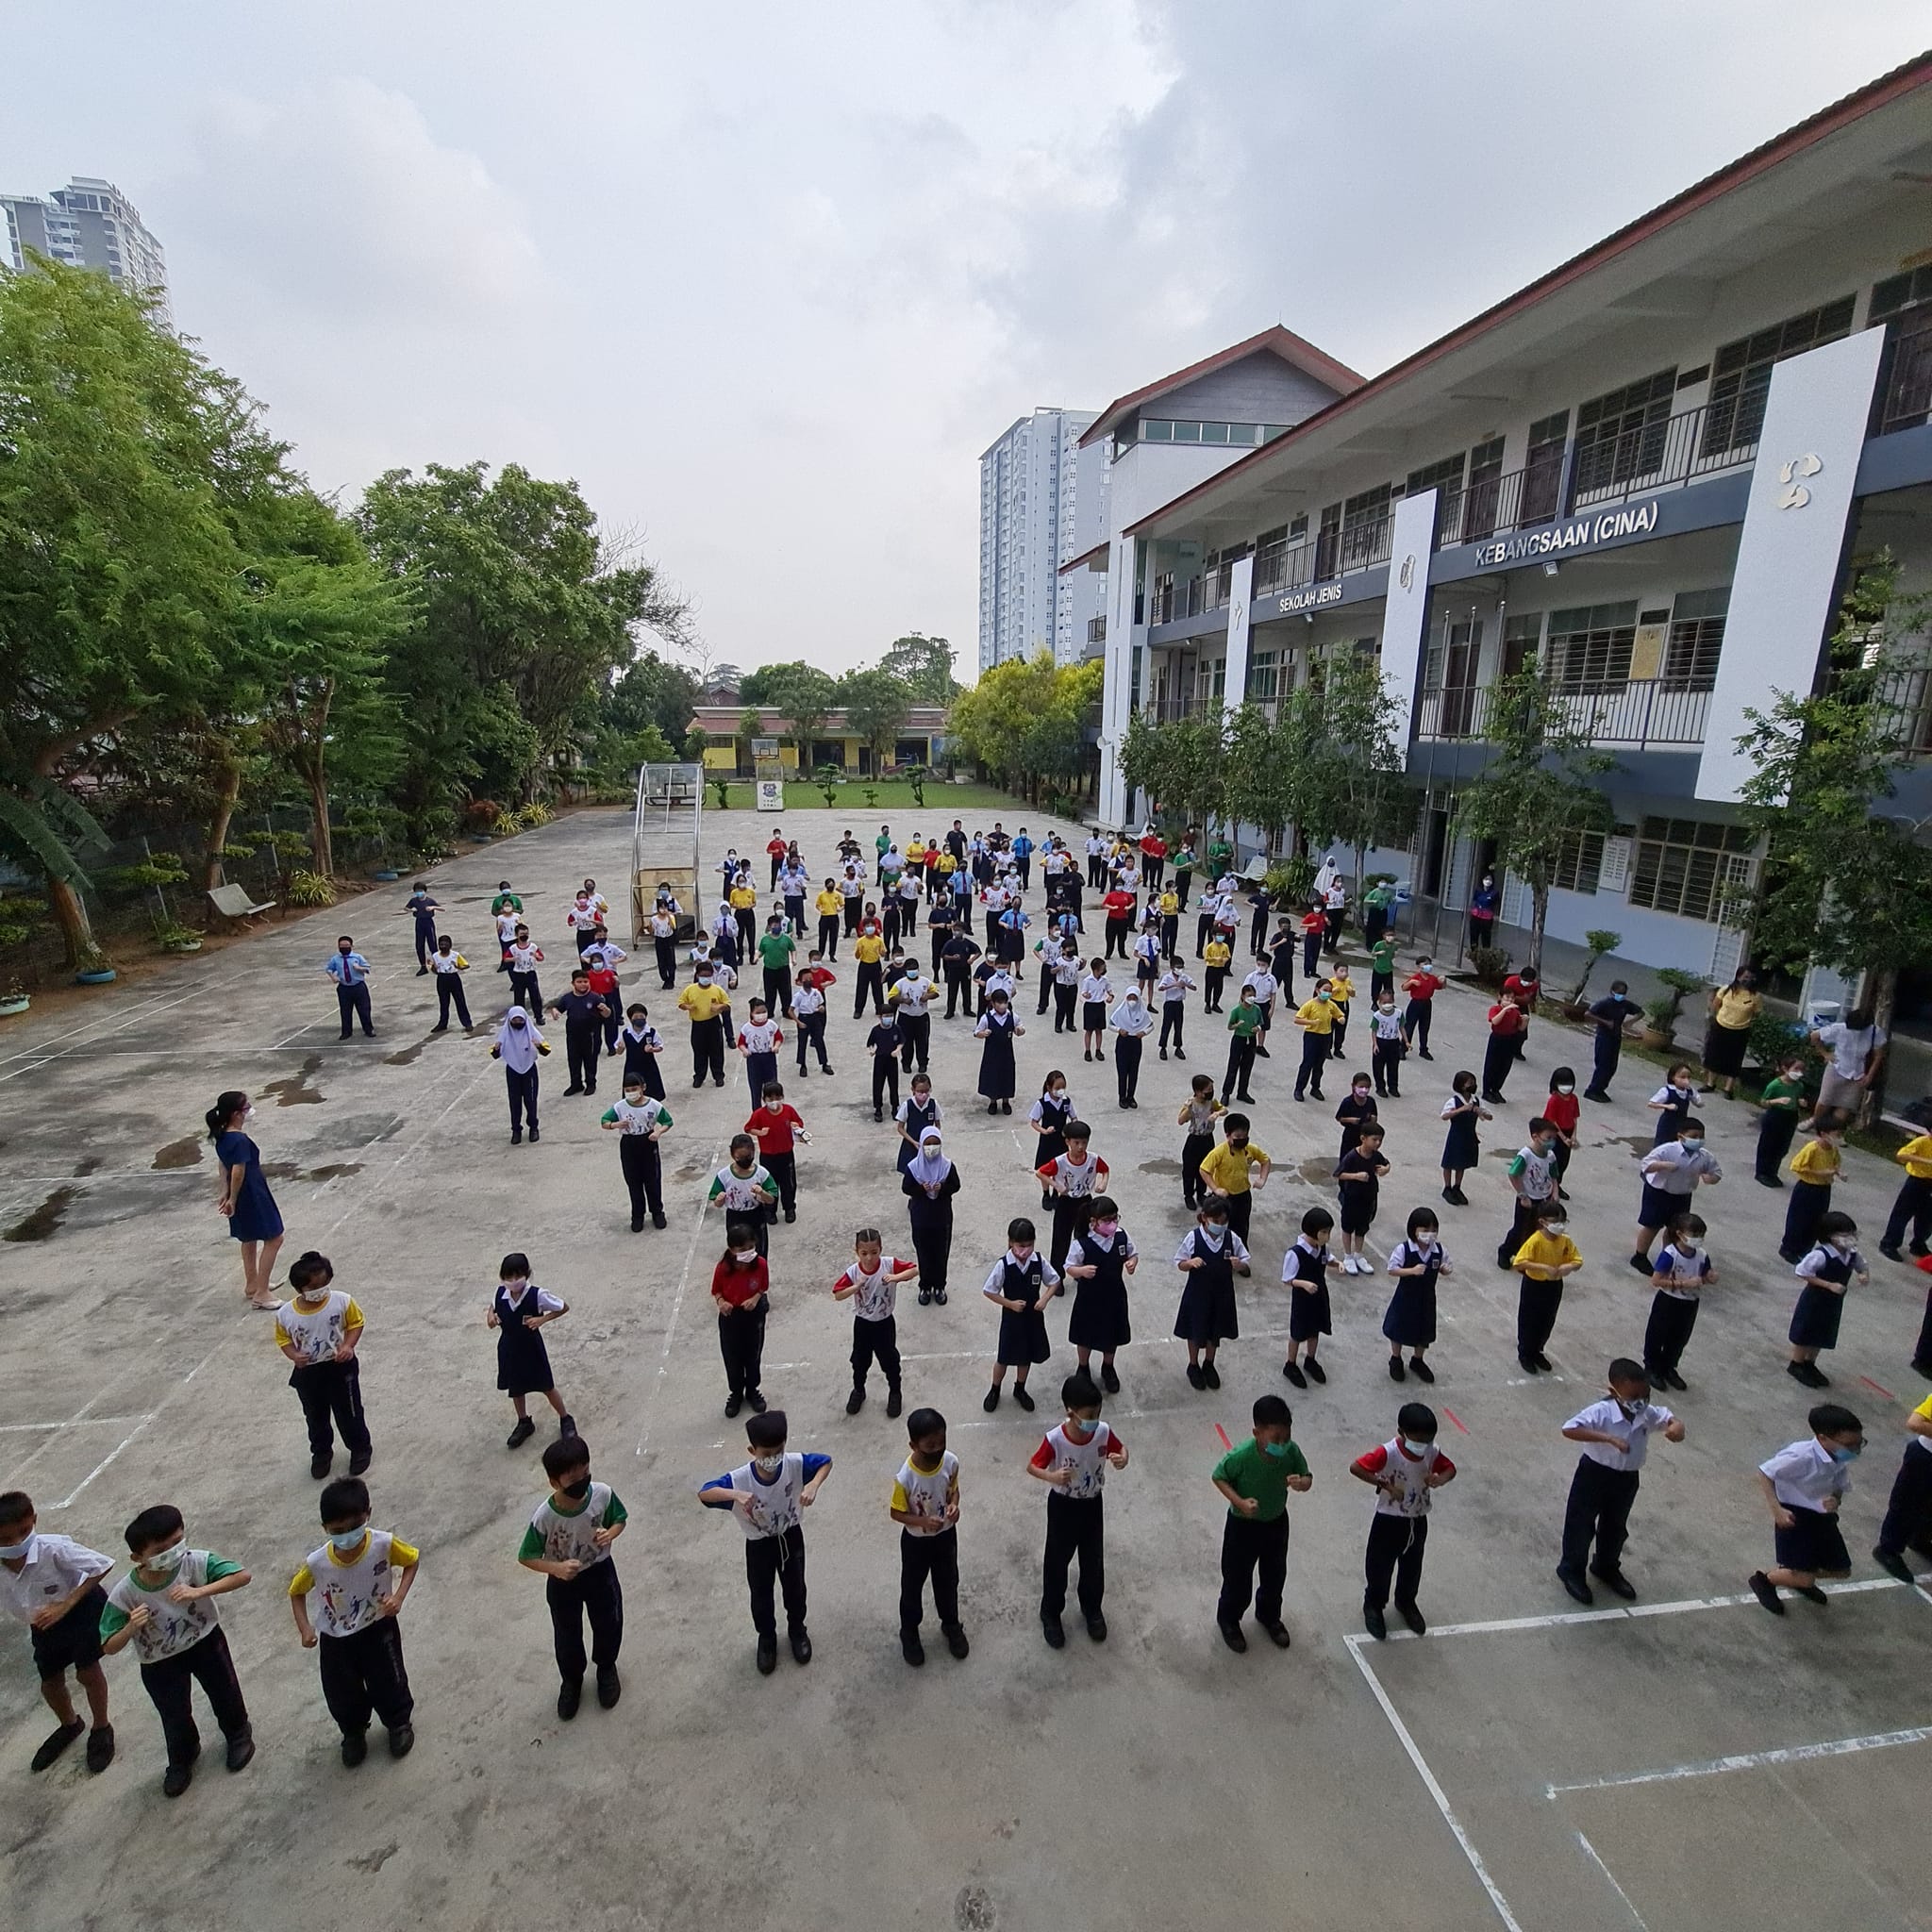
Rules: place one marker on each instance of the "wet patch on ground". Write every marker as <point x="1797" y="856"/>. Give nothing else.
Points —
<point x="341" y="1170"/>
<point x="294" y="1171"/>
<point x="185" y="1152"/>
<point x="85" y="1165"/>
<point x="297" y="1091"/>
<point x="39" y="1225"/>
<point x="406" y="1056"/>
<point x="1164" y="1167"/>
<point x="1317" y="1173"/>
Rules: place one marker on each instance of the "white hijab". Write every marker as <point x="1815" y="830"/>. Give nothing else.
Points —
<point x="517" y="1045"/>
<point x="929" y="1170"/>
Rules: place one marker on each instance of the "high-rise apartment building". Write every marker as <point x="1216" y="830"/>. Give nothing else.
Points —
<point x="1042" y="499"/>
<point x="89" y="223"/>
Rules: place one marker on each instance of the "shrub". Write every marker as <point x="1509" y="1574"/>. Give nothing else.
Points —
<point x="1771" y="1036"/>
<point x="1292" y="880"/>
<point x="1492" y="964"/>
<point x="310" y="888"/>
<point x="722" y="788"/>
<point x="826" y="778"/>
<point x="872" y="797"/>
<point x="479" y="814"/>
<point x="507" y="824"/>
<point x="537" y="813"/>
<point x="917" y="777"/>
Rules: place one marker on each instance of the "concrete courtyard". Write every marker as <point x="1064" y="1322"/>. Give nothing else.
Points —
<point x="1525" y="1765"/>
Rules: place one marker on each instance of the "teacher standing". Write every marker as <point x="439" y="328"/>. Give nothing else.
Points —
<point x="253" y="1219"/>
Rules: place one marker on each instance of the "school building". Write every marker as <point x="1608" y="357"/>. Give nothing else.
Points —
<point x="729" y="730"/>
<point x="1652" y="469"/>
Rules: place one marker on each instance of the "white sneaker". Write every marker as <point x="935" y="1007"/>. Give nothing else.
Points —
<point x="1348" y="1264"/>
<point x="1363" y="1265"/>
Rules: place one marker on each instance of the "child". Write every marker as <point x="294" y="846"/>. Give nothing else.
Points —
<point x="708" y="1005"/>
<point x="759" y="1041"/>
<point x="1827" y="1271"/>
<point x="1198" y="1115"/>
<point x="1460" y="1147"/>
<point x="998" y="1029"/>
<point x="641" y="1047"/>
<point x="1074" y="1458"/>
<point x="1021" y="1282"/>
<point x="775" y="954"/>
<point x="918" y="1112"/>
<point x="1356" y="1109"/>
<point x="1805" y="1483"/>
<point x="517" y="1311"/>
<point x="518" y="1045"/>
<point x="1096" y="996"/>
<point x="1358" y="1184"/>
<point x="568" y="1542"/>
<point x="1543" y="1261"/>
<point x="1671" y="1174"/>
<point x="1217" y="956"/>
<point x="1814" y="1168"/>
<point x="1255" y="1479"/>
<point x="926" y="1506"/>
<point x="53" y="1585"/>
<point x="1390" y="1043"/>
<point x="1562" y="1109"/>
<point x="775" y="1126"/>
<point x="1404" y="1472"/>
<point x="1914" y="1203"/>
<point x="1672" y="1103"/>
<point x="1071" y="1178"/>
<point x="1209" y="1256"/>
<point x="808" y="1013"/>
<point x="639" y="1122"/>
<point x="662" y="927"/>
<point x="1100" y="1259"/>
<point x="424" y="908"/>
<point x="1417" y="1262"/>
<point x="1232" y="1172"/>
<point x="1305" y="1273"/>
<point x="769" y="1495"/>
<point x="1317" y="1016"/>
<point x="584" y="1015"/>
<point x="1382" y="972"/>
<point x="521" y="961"/>
<point x="1132" y="1022"/>
<point x="741" y="1286"/>
<point x="1245" y="1025"/>
<point x="883" y="1043"/>
<point x="449" y="967"/>
<point x="1907" y="1523"/>
<point x="1340" y="996"/>
<point x="1422" y="985"/>
<point x="1615" y="1433"/>
<point x="318" y="1330"/>
<point x="1682" y="1273"/>
<point x="871" y="1284"/>
<point x="165" y="1608"/>
<point x="746" y="1190"/>
<point x="1782" y="1102"/>
<point x="1533" y="1181"/>
<point x="358" y="1579"/>
<point x="1048" y="1117"/>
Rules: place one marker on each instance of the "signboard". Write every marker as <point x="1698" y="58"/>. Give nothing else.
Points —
<point x="1413" y="540"/>
<point x="768" y="768"/>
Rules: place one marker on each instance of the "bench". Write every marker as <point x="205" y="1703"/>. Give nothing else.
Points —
<point x="232" y="902"/>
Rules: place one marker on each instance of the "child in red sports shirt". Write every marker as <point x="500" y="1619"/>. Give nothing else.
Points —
<point x="775" y="1126"/>
<point x="1561" y="1110"/>
<point x="740" y="1291"/>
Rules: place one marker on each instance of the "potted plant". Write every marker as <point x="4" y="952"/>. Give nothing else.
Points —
<point x="15" y="997"/>
<point x="174" y="938"/>
<point x="1662" y="1013"/>
<point x="1600" y="941"/>
<point x="310" y="888"/>
<point x="92" y="968"/>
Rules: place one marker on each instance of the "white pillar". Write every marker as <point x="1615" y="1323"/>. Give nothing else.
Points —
<point x="1124" y="636"/>
<point x="1239" y="599"/>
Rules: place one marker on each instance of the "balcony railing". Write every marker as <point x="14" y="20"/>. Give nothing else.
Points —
<point x="1905" y="394"/>
<point x="1096" y="630"/>
<point x="1171" y="710"/>
<point x="1905" y="697"/>
<point x="1650" y="711"/>
<point x="1332" y="553"/>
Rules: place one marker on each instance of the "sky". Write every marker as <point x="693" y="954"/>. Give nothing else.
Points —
<point x="765" y="279"/>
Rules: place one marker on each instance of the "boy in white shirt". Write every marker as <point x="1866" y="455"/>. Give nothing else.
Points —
<point x="1805" y="1483"/>
<point x="1615" y="1434"/>
<point x="1075" y="1459"/>
<point x="53" y="1585"/>
<point x="319" y="1328"/>
<point x="871" y="1284"/>
<point x="568" y="1542"/>
<point x="926" y="1506"/>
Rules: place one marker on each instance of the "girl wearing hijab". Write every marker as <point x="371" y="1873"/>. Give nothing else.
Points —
<point x="929" y="1183"/>
<point x="517" y="1046"/>
<point x="253" y="1219"/>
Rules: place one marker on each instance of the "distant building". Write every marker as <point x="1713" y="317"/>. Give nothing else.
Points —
<point x="1042" y="499"/>
<point x="922" y="740"/>
<point x="89" y="223"/>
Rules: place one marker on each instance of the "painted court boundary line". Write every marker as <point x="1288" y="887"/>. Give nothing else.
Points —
<point x="1750" y="1760"/>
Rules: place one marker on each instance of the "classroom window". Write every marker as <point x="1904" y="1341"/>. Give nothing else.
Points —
<point x="1588" y="648"/>
<point x="1740" y="373"/>
<point x="1445" y="475"/>
<point x="1680" y="864"/>
<point x="1579" y="862"/>
<point x="1696" y="639"/>
<point x="1621" y="435"/>
<point x="1263" y="675"/>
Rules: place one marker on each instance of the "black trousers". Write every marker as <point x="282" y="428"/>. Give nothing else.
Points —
<point x="1127" y="1063"/>
<point x="855" y="911"/>
<point x="426" y="941"/>
<point x="1776" y="1127"/>
<point x="1065" y="998"/>
<point x="1241" y="1064"/>
<point x="871" y="978"/>
<point x="1537" y="1303"/>
<point x="1605" y="1055"/>
<point x="667" y="961"/>
<point x="811" y="1035"/>
<point x="795" y="913"/>
<point x="915" y="1038"/>
<point x="874" y="1341"/>
<point x="1415" y="1024"/>
<point x="889" y="918"/>
<point x="1204" y="931"/>
<point x="1311" y="954"/>
<point x="1183" y="885"/>
<point x="741" y="1342"/>
<point x="783" y="1167"/>
<point x="449" y="991"/>
<point x="1248" y="1546"/>
<point x="1499" y="1055"/>
<point x="1116" y="930"/>
<point x="644" y="1176"/>
<point x="779" y="1560"/>
<point x="747" y="918"/>
<point x="1046" y="989"/>
<point x="828" y="935"/>
<point x="1194" y="1149"/>
<point x="171" y="1684"/>
<point x="1909" y="1514"/>
<point x="1096" y="871"/>
<point x="1598" y="1511"/>
<point x="583" y="1046"/>
<point x="885" y="1079"/>
<point x="326" y="1391"/>
<point x="364" y="1672"/>
<point x="1240" y="1212"/>
<point x="706" y="1051"/>
<point x="1075" y="1526"/>
<point x="1668" y="1331"/>
<point x="1217" y="985"/>
<point x="523" y="1097"/>
<point x="933" y="1249"/>
<point x="1522" y="1226"/>
<point x="1315" y="1055"/>
<point x="1397" y="1545"/>
<point x="595" y="1593"/>
<point x="353" y="1002"/>
<point x="958" y="987"/>
<point x="523" y="992"/>
<point x="778" y="990"/>
<point x="1173" y="1020"/>
<point x="1914" y="1203"/>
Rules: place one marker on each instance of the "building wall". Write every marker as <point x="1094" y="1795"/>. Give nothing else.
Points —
<point x="1029" y="490"/>
<point x="1260" y="388"/>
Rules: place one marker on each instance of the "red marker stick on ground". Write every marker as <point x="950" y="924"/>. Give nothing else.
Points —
<point x="1456" y="1419"/>
<point x="1871" y="1384"/>
<point x="1222" y="1433"/>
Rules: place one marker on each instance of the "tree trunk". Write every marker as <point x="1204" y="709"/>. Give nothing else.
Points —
<point x="225" y="799"/>
<point x="1883" y="981"/>
<point x="68" y="910"/>
<point x="318" y="813"/>
<point x="1538" y="912"/>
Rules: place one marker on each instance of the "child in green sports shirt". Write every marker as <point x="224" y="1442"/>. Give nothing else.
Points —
<point x="568" y="1542"/>
<point x="1783" y="1102"/>
<point x="1256" y="1478"/>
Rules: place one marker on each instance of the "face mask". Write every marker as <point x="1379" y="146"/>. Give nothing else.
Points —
<point x="167" y="1561"/>
<point x="1361" y="1092"/>
<point x="1423" y="965"/>
<point x="14" y="1553"/>
<point x="1693" y="1142"/>
<point x="1083" y="1426"/>
<point x="1276" y="1449"/>
<point x="1843" y="1452"/>
<point x="768" y="1465"/>
<point x="1680" y="1086"/>
<point x="516" y="1025"/>
<point x="1628" y="1403"/>
<point x="1386" y="1006"/>
<point x="744" y="1255"/>
<point x="1566" y="1087"/>
<point x="1554" y="1227"/>
<point x="1106" y="1229"/>
<point x="347" y="1540"/>
<point x="1416" y="1449"/>
<point x="1843" y="1243"/>
<point x="577" y="1490"/>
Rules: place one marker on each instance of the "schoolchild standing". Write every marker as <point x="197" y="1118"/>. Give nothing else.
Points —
<point x="775" y="1124"/>
<point x="1562" y="1109"/>
<point x="521" y="959"/>
<point x="929" y="1183"/>
<point x="1533" y="1183"/>
<point x="1814" y="1168"/>
<point x="1304" y="1274"/>
<point x="1209" y="1256"/>
<point x="746" y="1188"/>
<point x="997" y="1029"/>
<point x="1781" y="1104"/>
<point x="918" y="1112"/>
<point x="1671" y="1175"/>
<point x="1805" y="1483"/>
<point x="1098" y="1263"/>
<point x="1417" y="1262"/>
<point x="1255" y="1477"/>
<point x="1173" y="988"/>
<point x="1133" y="1022"/>
<point x="643" y="1047"/>
<point x="871" y="1284"/>
<point x="1021" y="1284"/>
<point x="1610" y="1017"/>
<point x="663" y="930"/>
<point x="1233" y="1171"/>
<point x="1388" y="1045"/>
<point x="1048" y="1117"/>
<point x="1614" y="1434"/>
<point x="1672" y="1103"/>
<point x="1914" y="1201"/>
<point x="1422" y="985"/>
<point x="1071" y="1178"/>
<point x="808" y="1014"/>
<point x="1404" y="1472"/>
<point x="1074" y="1461"/>
<point x="1358" y="1187"/>
<point x="883" y="1043"/>
<point x="926" y="1506"/>
<point x="518" y="1045"/>
<point x="640" y="1121"/>
<point x="1096" y="996"/>
<point x="319" y="1328"/>
<point x="1198" y="1114"/>
<point x="1682" y="1273"/>
<point x="449" y="967"/>
<point x="584" y="1015"/>
<point x="424" y="908"/>
<point x="1828" y="1272"/>
<point x="740" y="1293"/>
<point x="774" y="955"/>
<point x="517" y="1311"/>
<point x="1542" y="1262"/>
<point x="705" y="1004"/>
<point x="1460" y="1147"/>
<point x="53" y="1585"/>
<point x="759" y="1041"/>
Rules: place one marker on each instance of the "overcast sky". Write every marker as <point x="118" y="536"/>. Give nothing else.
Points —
<point x="766" y="279"/>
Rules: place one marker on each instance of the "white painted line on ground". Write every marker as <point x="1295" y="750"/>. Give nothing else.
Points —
<point x="690" y="1250"/>
<point x="1596" y="1860"/>
<point x="41" y="1057"/>
<point x="74" y="1493"/>
<point x="1750" y="1760"/>
<point x="92" y="1422"/>
<point x="1434" y="1789"/>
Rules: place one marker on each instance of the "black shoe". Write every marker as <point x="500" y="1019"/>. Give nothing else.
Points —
<point x="1316" y="1372"/>
<point x="854" y="1402"/>
<point x="1643" y="1265"/>
<point x="992" y="1399"/>
<point x="1656" y="1379"/>
<point x="580" y="1088"/>
<point x="894" y="1400"/>
<point x="1892" y="1251"/>
<point x="1542" y="1362"/>
<point x="1374" y="1624"/>
<point x="1096" y="1627"/>
<point x="524" y="1429"/>
<point x="1396" y="1372"/>
<point x="1195" y="1378"/>
<point x="939" y="1295"/>
<point x="609" y="1686"/>
<point x="1054" y="1633"/>
<point x="910" y="1648"/>
<point x="1616" y="1583"/>
<point x="1526" y="1363"/>
<point x="100" y="1747"/>
<point x="570" y="1693"/>
<point x="1277" y="1632"/>
<point x="732" y="1404"/>
<point x="516" y="1136"/>
<point x="1211" y="1374"/>
<point x="1421" y="1369"/>
<point x="1765" y="1590"/>
<point x="402" y="1739"/>
<point x="1294" y="1371"/>
<point x="1022" y="1397"/>
<point x="1575" y="1586"/>
<point x="1812" y="1594"/>
<point x="566" y="1428"/>
<point x="1109" y="1380"/>
<point x="53" y="1746"/>
<point x="1588" y="1093"/>
<point x="361" y="1460"/>
<point x="1424" y="1054"/>
<point x="636" y="1224"/>
<point x="1675" y="1380"/>
<point x="791" y="1214"/>
<point x="757" y="1401"/>
<point x="241" y="1751"/>
<point x="767" y="1655"/>
<point x="1231" y="1636"/>
<point x="177" y="1778"/>
<point x="536" y="1135"/>
<point x="924" y="1297"/>
<point x="321" y="1463"/>
<point x="1413" y="1617"/>
<point x="1893" y="1565"/>
<point x="801" y="1647"/>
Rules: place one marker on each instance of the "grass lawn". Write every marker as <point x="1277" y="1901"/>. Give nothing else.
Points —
<point x="943" y="802"/>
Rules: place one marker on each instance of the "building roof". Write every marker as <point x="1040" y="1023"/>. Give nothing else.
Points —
<point x="1278" y="340"/>
<point x="1088" y="559"/>
<point x="1782" y="149"/>
<point x="730" y="721"/>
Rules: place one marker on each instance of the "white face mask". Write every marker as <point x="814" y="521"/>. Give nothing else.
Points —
<point x="14" y="1553"/>
<point x="746" y="1256"/>
<point x="167" y="1561"/>
<point x="768" y="1465"/>
<point x="1566" y="1087"/>
<point x="1415" y="1449"/>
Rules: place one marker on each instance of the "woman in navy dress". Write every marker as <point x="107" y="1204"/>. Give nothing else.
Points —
<point x="253" y="1219"/>
<point x="997" y="1029"/>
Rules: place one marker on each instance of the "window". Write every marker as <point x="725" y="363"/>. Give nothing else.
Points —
<point x="1445" y="475"/>
<point x="1681" y="864"/>
<point x="1589" y="648"/>
<point x="1697" y="636"/>
<point x="1298" y="528"/>
<point x="1579" y="862"/>
<point x="1264" y="676"/>
<point x="1543" y="467"/>
<point x="1740" y="373"/>
<point x="1621" y="435"/>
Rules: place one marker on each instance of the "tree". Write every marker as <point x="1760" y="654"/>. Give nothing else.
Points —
<point x="925" y="666"/>
<point x="875" y="705"/>
<point x="804" y="696"/>
<point x="1538" y="791"/>
<point x="760" y="686"/>
<point x="650" y="689"/>
<point x="1183" y="765"/>
<point x="1844" y="883"/>
<point x="1368" y="798"/>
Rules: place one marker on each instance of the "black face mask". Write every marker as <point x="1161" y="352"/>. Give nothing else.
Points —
<point x="577" y="1490"/>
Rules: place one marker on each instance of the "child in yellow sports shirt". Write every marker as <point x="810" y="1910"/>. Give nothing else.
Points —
<point x="1814" y="1168"/>
<point x="1544" y="1261"/>
<point x="1914" y="1203"/>
<point x="1340" y="991"/>
<point x="1217" y="955"/>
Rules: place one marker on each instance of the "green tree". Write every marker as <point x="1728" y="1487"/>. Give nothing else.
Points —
<point x="1182" y="765"/>
<point x="760" y="686"/>
<point x="1538" y="791"/>
<point x="925" y="666"/>
<point x="1367" y="799"/>
<point x="804" y="697"/>
<point x="650" y="689"/>
<point x="876" y="706"/>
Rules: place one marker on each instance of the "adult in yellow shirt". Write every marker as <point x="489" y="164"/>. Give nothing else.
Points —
<point x="1541" y="1261"/>
<point x="1732" y="1010"/>
<point x="1914" y="1203"/>
<point x="1234" y="1170"/>
<point x="1317" y="1016"/>
<point x="1907" y="1523"/>
<point x="705" y="1002"/>
<point x="829" y="905"/>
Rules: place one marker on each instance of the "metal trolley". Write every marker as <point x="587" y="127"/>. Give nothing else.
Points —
<point x="664" y="846"/>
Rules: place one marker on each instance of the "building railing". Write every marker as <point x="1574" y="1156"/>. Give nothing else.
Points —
<point x="1648" y="711"/>
<point x="1331" y="552"/>
<point x="1172" y="710"/>
<point x="1905" y="395"/>
<point x="1905" y="697"/>
<point x="1096" y="630"/>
